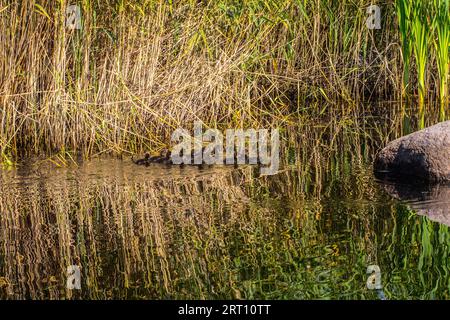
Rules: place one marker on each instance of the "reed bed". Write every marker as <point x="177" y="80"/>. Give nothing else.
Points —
<point x="138" y="69"/>
<point x="404" y="17"/>
<point x="425" y="32"/>
<point x="442" y="45"/>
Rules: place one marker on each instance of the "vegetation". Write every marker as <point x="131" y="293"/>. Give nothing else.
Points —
<point x="137" y="69"/>
<point x="442" y="43"/>
<point x="423" y="26"/>
<point x="421" y="42"/>
<point x="404" y="17"/>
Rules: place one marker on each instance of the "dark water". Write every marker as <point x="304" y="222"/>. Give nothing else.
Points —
<point x="309" y="232"/>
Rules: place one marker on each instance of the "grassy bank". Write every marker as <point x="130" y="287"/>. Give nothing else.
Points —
<point x="138" y="69"/>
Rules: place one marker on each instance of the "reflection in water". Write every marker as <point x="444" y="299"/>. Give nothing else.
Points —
<point x="431" y="201"/>
<point x="184" y="233"/>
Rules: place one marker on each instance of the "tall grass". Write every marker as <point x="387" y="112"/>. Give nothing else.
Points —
<point x="138" y="69"/>
<point x="442" y="45"/>
<point x="423" y="26"/>
<point x="421" y="44"/>
<point x="403" y="8"/>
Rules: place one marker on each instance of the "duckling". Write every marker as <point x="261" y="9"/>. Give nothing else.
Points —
<point x="164" y="157"/>
<point x="142" y="162"/>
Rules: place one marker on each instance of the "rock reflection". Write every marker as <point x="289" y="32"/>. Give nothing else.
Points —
<point x="432" y="201"/>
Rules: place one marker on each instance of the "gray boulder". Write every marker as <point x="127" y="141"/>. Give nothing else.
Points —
<point x="423" y="155"/>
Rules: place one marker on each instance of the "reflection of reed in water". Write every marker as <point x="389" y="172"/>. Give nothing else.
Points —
<point x="221" y="235"/>
<point x="128" y="228"/>
<point x="308" y="232"/>
<point x="151" y="238"/>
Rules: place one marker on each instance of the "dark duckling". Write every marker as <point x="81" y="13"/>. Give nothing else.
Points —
<point x="164" y="158"/>
<point x="143" y="161"/>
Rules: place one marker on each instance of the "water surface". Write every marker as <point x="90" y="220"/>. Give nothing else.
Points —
<point x="309" y="232"/>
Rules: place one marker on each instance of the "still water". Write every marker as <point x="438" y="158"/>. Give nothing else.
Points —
<point x="159" y="232"/>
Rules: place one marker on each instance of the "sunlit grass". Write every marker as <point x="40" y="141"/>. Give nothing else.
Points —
<point x="403" y="8"/>
<point x="424" y="26"/>
<point x="421" y="44"/>
<point x="442" y="45"/>
<point x="137" y="70"/>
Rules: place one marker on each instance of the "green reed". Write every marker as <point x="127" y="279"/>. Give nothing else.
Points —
<point x="421" y="35"/>
<point x="403" y="8"/>
<point x="423" y="26"/>
<point x="442" y="45"/>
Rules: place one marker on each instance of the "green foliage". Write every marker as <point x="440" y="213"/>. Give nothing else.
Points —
<point x="424" y="26"/>
<point x="441" y="25"/>
<point x="138" y="69"/>
<point x="403" y="8"/>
